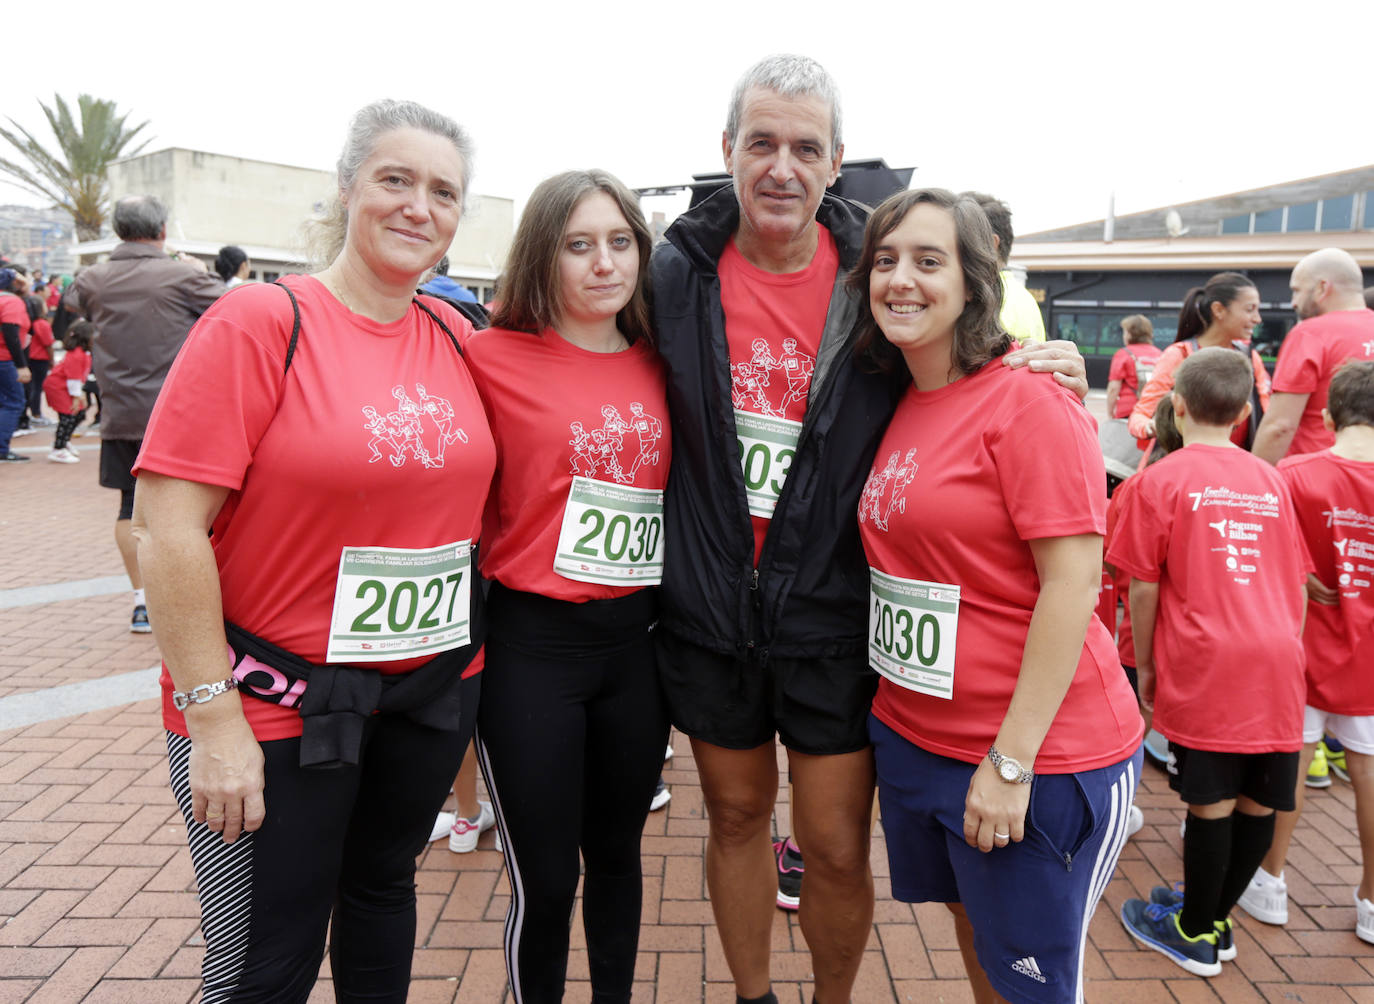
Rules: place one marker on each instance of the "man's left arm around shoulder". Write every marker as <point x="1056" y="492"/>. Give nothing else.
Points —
<point x="1060" y="358"/>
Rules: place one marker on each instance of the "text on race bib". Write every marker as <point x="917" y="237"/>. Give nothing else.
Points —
<point x="766" y="448"/>
<point x="912" y="627"/>
<point x="611" y="534"/>
<point x="397" y="603"/>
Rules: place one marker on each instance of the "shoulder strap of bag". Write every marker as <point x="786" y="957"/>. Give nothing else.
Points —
<point x="435" y="318"/>
<point x="295" y="325"/>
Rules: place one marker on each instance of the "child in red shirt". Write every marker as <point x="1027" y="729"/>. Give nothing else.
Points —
<point x="1333" y="494"/>
<point x="1211" y="542"/>
<point x="63" y="389"/>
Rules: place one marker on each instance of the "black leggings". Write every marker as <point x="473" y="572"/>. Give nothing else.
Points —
<point x="38" y="372"/>
<point x="570" y="740"/>
<point x="341" y="840"/>
<point x="66" y="425"/>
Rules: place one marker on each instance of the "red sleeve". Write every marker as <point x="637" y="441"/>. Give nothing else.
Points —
<point x="460" y="326"/>
<point x="1140" y="541"/>
<point x="1121" y="362"/>
<point x="1160" y="384"/>
<point x="42" y="332"/>
<point x="1299" y="369"/>
<point x="222" y="391"/>
<point x="1053" y="490"/>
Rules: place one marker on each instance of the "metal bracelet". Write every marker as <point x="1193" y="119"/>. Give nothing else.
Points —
<point x="181" y="700"/>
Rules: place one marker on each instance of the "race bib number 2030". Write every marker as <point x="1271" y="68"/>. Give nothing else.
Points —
<point x="912" y="629"/>
<point x="611" y="534"/>
<point x="397" y="603"/>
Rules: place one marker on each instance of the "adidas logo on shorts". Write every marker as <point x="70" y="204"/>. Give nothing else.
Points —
<point x="1029" y="967"/>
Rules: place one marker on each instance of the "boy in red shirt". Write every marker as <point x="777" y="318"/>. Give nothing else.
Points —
<point x="1217" y="566"/>
<point x="1333" y="494"/>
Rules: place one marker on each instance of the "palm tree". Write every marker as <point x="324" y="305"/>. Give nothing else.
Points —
<point x="75" y="181"/>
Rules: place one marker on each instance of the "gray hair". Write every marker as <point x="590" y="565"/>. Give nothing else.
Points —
<point x="139" y="218"/>
<point x="793" y="77"/>
<point x="369" y="124"/>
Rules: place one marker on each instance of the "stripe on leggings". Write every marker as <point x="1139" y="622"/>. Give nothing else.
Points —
<point x="516" y="911"/>
<point x="224" y="877"/>
<point x="1123" y="794"/>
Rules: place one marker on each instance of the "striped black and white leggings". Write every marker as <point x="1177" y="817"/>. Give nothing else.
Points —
<point x="341" y="841"/>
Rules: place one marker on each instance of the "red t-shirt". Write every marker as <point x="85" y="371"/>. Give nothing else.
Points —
<point x="773" y="324"/>
<point x="1334" y="500"/>
<point x="1133" y="365"/>
<point x="40" y="345"/>
<point x="964" y="477"/>
<point x="375" y="437"/>
<point x="75" y="365"/>
<point x="13" y="310"/>
<point x="1215" y="527"/>
<point x="1125" y="637"/>
<point x="559" y="412"/>
<point x="1309" y="358"/>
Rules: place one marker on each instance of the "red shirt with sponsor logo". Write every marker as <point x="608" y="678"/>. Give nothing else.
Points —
<point x="1215" y="527"/>
<point x="773" y="325"/>
<point x="559" y="412"/>
<point x="1334" y="500"/>
<point x="375" y="437"/>
<point x="964" y="478"/>
<point x="1309" y="357"/>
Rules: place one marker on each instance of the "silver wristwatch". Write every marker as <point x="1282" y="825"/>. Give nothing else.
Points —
<point x="1009" y="769"/>
<point x="199" y="695"/>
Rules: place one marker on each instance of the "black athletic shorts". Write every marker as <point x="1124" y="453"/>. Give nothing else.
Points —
<point x="117" y="458"/>
<point x="1203" y="777"/>
<point x="816" y="706"/>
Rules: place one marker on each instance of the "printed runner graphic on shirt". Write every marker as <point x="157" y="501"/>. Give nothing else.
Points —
<point x="612" y="532"/>
<point x="883" y="491"/>
<point x="1239" y="541"/>
<point x="403" y="430"/>
<point x="764" y="391"/>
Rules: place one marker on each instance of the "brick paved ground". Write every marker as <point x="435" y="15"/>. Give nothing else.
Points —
<point x="99" y="901"/>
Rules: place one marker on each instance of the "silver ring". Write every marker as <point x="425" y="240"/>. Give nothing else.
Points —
<point x="1001" y="836"/>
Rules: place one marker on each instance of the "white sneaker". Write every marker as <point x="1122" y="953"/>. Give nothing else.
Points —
<point x="63" y="456"/>
<point x="1266" y="898"/>
<point x="463" y="836"/>
<point x="1135" y="819"/>
<point x="667" y="754"/>
<point x="1183" y="826"/>
<point x="442" y="824"/>
<point x="1364" y="919"/>
<point x="661" y="796"/>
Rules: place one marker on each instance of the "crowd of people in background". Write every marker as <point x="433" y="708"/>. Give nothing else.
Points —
<point x="881" y="544"/>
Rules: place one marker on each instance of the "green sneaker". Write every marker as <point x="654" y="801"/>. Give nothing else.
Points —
<point x="1318" y="773"/>
<point x="1334" y="754"/>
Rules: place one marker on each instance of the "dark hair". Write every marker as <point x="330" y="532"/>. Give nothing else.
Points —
<point x="139" y="218"/>
<point x="79" y="336"/>
<point x="999" y="218"/>
<point x="1350" y="398"/>
<point x="227" y="262"/>
<point x="35" y="306"/>
<point x="978" y="334"/>
<point x="1196" y="314"/>
<point x="1138" y="329"/>
<point x="530" y="297"/>
<point x="1215" y="383"/>
<point x="1167" y="437"/>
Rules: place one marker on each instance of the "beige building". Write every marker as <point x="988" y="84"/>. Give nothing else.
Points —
<point x="213" y="200"/>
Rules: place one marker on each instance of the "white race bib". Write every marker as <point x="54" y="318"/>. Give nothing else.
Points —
<point x="611" y="534"/>
<point x="766" y="448"/>
<point x="912" y="627"/>
<point x="397" y="603"/>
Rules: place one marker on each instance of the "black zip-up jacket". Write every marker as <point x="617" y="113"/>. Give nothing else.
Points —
<point x="809" y="595"/>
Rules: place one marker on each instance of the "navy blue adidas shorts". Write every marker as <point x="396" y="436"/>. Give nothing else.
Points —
<point x="1029" y="903"/>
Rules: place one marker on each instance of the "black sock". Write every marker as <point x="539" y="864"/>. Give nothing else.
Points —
<point x="1206" y="855"/>
<point x="768" y="998"/>
<point x="1250" y="840"/>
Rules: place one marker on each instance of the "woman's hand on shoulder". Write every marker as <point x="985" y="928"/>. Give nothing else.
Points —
<point x="1060" y="358"/>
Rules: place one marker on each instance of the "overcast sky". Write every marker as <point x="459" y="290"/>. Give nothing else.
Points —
<point x="1052" y="106"/>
